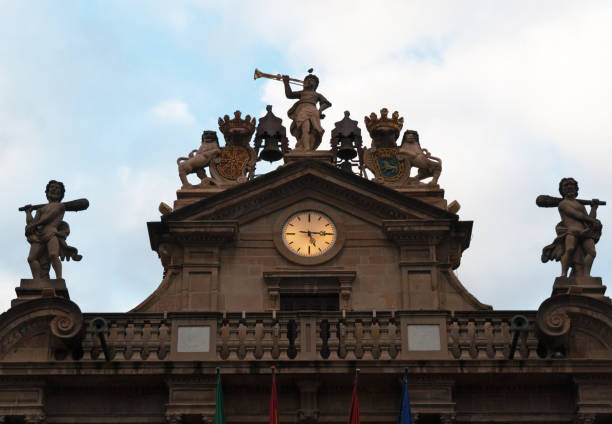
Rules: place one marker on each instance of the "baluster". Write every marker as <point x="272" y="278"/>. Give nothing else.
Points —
<point x="242" y="335"/>
<point x="224" y="332"/>
<point x="523" y="348"/>
<point x="507" y="337"/>
<point x="375" y="338"/>
<point x="358" y="339"/>
<point x="324" y="334"/>
<point x="498" y="339"/>
<point x="342" y="337"/>
<point x="453" y="343"/>
<point x="480" y="339"/>
<point x="164" y="341"/>
<point x="275" y="340"/>
<point x="129" y="345"/>
<point x="292" y="329"/>
<point x="532" y="343"/>
<point x="394" y="340"/>
<point x="146" y="340"/>
<point x="259" y="335"/>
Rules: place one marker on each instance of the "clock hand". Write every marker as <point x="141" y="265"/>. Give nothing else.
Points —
<point x="323" y="233"/>
<point x="313" y="241"/>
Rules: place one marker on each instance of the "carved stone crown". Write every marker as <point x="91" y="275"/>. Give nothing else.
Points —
<point x="373" y="122"/>
<point x="227" y="125"/>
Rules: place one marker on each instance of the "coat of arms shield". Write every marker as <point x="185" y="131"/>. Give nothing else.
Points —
<point x="389" y="166"/>
<point x="232" y="162"/>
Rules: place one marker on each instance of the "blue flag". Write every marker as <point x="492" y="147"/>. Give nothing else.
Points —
<point x="405" y="417"/>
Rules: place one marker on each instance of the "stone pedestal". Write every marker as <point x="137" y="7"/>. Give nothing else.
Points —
<point x="432" y="195"/>
<point x="586" y="286"/>
<point x="322" y="155"/>
<point x="30" y="289"/>
<point x="187" y="196"/>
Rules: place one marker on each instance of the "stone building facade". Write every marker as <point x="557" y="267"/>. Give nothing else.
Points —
<point x="236" y="294"/>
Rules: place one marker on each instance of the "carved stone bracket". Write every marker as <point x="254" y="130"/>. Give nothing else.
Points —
<point x="190" y="396"/>
<point x="174" y="418"/>
<point x="60" y="319"/>
<point x="585" y="418"/>
<point x="309" y="411"/>
<point x="447" y="418"/>
<point x="208" y="232"/>
<point x="186" y="232"/>
<point x="310" y="281"/>
<point x="22" y="397"/>
<point x="575" y="326"/>
<point x="35" y="419"/>
<point x="416" y="231"/>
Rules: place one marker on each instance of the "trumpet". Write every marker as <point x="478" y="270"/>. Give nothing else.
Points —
<point x="278" y="77"/>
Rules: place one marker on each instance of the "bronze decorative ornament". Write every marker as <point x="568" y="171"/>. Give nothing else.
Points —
<point x="277" y="77"/>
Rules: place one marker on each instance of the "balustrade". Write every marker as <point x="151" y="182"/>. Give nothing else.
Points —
<point x="284" y="336"/>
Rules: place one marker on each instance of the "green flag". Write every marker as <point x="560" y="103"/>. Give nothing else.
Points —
<point x="219" y="411"/>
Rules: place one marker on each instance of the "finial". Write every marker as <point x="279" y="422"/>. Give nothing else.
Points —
<point x="310" y="70"/>
<point x="218" y="370"/>
<point x="269" y="108"/>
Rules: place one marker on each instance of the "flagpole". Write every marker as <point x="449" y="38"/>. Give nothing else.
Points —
<point x="354" y="412"/>
<point x="219" y="409"/>
<point x="273" y="399"/>
<point x="405" y="414"/>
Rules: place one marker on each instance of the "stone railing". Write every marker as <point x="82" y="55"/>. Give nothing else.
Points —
<point x="323" y="336"/>
<point x="487" y="335"/>
<point x="258" y="336"/>
<point x="135" y="337"/>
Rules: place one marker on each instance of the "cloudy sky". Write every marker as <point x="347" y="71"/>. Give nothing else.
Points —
<point x="105" y="95"/>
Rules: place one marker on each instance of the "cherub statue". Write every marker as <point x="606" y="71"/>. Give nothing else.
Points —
<point x="306" y="125"/>
<point x="47" y="233"/>
<point x="428" y="165"/>
<point x="199" y="158"/>
<point x="577" y="232"/>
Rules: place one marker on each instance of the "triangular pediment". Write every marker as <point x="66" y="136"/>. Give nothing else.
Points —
<point x="313" y="180"/>
<point x="228" y="249"/>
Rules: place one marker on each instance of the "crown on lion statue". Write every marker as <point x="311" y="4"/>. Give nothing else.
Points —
<point x="227" y="125"/>
<point x="373" y="122"/>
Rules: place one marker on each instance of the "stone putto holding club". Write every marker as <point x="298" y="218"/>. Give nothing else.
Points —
<point x="577" y="232"/>
<point x="47" y="232"/>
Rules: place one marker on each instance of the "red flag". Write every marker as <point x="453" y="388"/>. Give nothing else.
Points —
<point x="273" y="400"/>
<point x="354" y="415"/>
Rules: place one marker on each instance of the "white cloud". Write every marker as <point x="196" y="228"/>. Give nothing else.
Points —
<point x="139" y="194"/>
<point x="174" y="111"/>
<point x="8" y="282"/>
<point x="511" y="96"/>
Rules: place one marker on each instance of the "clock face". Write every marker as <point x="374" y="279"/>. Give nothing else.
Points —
<point x="309" y="233"/>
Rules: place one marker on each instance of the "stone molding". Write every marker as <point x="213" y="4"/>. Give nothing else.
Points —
<point x="294" y="178"/>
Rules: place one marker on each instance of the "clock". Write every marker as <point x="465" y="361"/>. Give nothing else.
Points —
<point x="309" y="233"/>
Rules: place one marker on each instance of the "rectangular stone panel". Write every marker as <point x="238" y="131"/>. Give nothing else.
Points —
<point x="423" y="337"/>
<point x="193" y="339"/>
